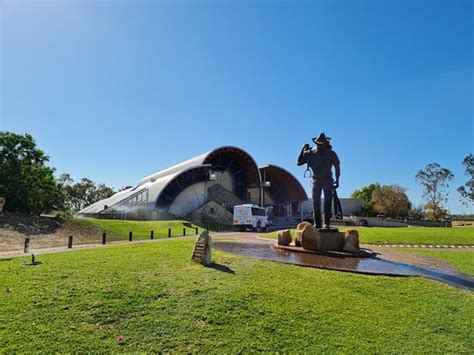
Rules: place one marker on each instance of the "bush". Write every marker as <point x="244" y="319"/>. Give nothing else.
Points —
<point x="64" y="214"/>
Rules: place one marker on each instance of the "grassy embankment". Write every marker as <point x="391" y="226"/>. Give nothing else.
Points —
<point x="416" y="236"/>
<point x="463" y="260"/>
<point x="154" y="297"/>
<point x="118" y="230"/>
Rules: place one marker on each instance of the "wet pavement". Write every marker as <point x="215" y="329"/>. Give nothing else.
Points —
<point x="365" y="265"/>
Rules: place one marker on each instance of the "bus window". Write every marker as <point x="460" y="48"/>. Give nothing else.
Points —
<point x="258" y="212"/>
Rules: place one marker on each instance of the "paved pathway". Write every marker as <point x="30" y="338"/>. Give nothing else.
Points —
<point x="243" y="236"/>
<point x="423" y="246"/>
<point x="38" y="251"/>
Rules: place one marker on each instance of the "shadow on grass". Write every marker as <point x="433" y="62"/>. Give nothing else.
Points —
<point x="221" y="267"/>
<point x="33" y="261"/>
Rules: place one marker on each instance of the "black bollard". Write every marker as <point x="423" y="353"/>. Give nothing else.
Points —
<point x="104" y="238"/>
<point x="184" y="231"/>
<point x="197" y="230"/>
<point x="69" y="242"/>
<point x="169" y="232"/>
<point x="130" y="236"/>
<point x="152" y="234"/>
<point x="26" y="248"/>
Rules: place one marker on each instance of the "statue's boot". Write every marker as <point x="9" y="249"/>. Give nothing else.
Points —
<point x="317" y="221"/>
<point x="327" y="221"/>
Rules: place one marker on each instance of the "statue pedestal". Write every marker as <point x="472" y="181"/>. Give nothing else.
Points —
<point x="324" y="239"/>
<point x="330" y="239"/>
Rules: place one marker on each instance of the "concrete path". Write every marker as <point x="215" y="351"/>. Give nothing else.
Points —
<point x="423" y="246"/>
<point x="38" y="251"/>
<point x="243" y="236"/>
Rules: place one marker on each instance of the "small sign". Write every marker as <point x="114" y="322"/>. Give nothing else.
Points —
<point x="202" y="249"/>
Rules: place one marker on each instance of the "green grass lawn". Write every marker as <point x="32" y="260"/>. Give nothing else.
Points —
<point x="154" y="297"/>
<point x="419" y="235"/>
<point x="141" y="229"/>
<point x="463" y="260"/>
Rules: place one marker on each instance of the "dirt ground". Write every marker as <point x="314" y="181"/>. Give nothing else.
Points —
<point x="463" y="224"/>
<point x="399" y="256"/>
<point x="45" y="231"/>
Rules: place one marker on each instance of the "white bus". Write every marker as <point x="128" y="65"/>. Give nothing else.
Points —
<point x="250" y="216"/>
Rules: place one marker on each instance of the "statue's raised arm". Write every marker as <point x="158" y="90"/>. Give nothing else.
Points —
<point x="304" y="155"/>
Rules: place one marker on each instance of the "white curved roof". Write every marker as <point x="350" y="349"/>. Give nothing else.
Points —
<point x="185" y="165"/>
<point x="112" y="200"/>
<point x="155" y="183"/>
<point x="197" y="160"/>
<point x="293" y="185"/>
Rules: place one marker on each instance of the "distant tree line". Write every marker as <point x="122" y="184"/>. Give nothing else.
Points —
<point x="83" y="193"/>
<point x="392" y="201"/>
<point x="29" y="185"/>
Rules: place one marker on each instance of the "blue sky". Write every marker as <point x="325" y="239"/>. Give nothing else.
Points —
<point x="116" y="90"/>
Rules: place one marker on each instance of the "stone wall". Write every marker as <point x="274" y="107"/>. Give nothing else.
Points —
<point x="222" y="196"/>
<point x="211" y="211"/>
<point x="387" y="222"/>
<point x="412" y="222"/>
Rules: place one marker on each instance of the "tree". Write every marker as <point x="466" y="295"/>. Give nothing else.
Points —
<point x="27" y="184"/>
<point x="365" y="194"/>
<point x="466" y="191"/>
<point x="84" y="192"/>
<point x="435" y="212"/>
<point x="102" y="191"/>
<point x="65" y="179"/>
<point x="391" y="200"/>
<point x="416" y="213"/>
<point x="435" y="181"/>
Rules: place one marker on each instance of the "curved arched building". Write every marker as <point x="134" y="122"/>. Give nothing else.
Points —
<point x="206" y="187"/>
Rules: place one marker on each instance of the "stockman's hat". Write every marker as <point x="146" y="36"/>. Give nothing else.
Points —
<point x="322" y="139"/>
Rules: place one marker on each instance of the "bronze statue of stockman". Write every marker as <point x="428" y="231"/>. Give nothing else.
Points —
<point x="320" y="160"/>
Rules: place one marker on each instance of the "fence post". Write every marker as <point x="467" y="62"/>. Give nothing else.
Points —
<point x="69" y="242"/>
<point x="197" y="230"/>
<point x="169" y="232"/>
<point x="130" y="236"/>
<point x="104" y="238"/>
<point x="184" y="231"/>
<point x="152" y="234"/>
<point x="26" y="248"/>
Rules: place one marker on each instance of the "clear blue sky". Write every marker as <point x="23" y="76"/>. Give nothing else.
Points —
<point x="116" y="90"/>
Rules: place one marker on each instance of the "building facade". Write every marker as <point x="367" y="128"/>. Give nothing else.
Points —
<point x="207" y="187"/>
